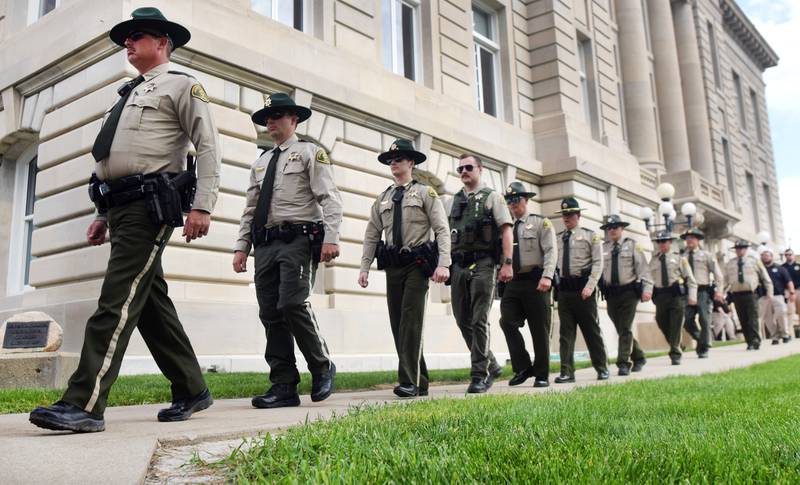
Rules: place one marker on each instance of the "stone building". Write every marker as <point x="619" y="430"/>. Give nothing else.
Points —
<point x="600" y="99"/>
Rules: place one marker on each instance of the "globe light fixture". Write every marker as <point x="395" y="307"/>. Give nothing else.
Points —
<point x="646" y="213"/>
<point x="763" y="237"/>
<point x="666" y="209"/>
<point x="665" y="191"/>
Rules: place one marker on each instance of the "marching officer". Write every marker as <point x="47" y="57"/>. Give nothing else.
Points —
<point x="673" y="278"/>
<point x="772" y="306"/>
<point x="292" y="216"/>
<point x="480" y="228"/>
<point x="143" y="141"/>
<point x="405" y="213"/>
<point x="743" y="274"/>
<point x="527" y="295"/>
<point x="580" y="264"/>
<point x="793" y="267"/>
<point x="626" y="281"/>
<point x="709" y="285"/>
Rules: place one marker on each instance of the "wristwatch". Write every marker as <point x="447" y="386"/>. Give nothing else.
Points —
<point x="508" y="261"/>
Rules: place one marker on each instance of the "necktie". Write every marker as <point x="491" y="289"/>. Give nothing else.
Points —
<point x="664" y="274"/>
<point x="515" y="265"/>
<point x="691" y="260"/>
<point x="565" y="258"/>
<point x="740" y="264"/>
<point x="397" y="220"/>
<point x="265" y="196"/>
<point x="615" y="265"/>
<point x="102" y="144"/>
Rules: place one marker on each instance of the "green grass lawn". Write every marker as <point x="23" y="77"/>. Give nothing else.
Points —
<point x="735" y="427"/>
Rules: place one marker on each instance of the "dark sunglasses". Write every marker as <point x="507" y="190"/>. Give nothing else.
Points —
<point x="468" y="168"/>
<point x="513" y="199"/>
<point x="134" y="36"/>
<point x="276" y="115"/>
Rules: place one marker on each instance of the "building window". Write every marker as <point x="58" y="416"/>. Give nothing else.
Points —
<point x="39" y="8"/>
<point x="770" y="209"/>
<point x="729" y="172"/>
<point x="20" y="257"/>
<point x="288" y="12"/>
<point x="757" y="115"/>
<point x="401" y="37"/>
<point x="646" y="22"/>
<point x="737" y="87"/>
<point x="588" y="87"/>
<point x="620" y="98"/>
<point x="753" y="200"/>
<point x="712" y="45"/>
<point x="484" y="35"/>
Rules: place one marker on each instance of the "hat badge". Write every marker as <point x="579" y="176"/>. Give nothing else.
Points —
<point x="509" y="190"/>
<point x="393" y="147"/>
<point x="610" y="220"/>
<point x="563" y="205"/>
<point x="268" y="102"/>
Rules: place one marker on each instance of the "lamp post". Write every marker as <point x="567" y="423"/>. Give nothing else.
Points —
<point x="667" y="211"/>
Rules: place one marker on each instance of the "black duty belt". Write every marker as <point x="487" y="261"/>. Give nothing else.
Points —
<point x="466" y="258"/>
<point x="533" y="275"/>
<point x="124" y="190"/>
<point x="742" y="293"/>
<point x="573" y="283"/>
<point x="285" y="232"/>
<point x="610" y="290"/>
<point x="675" y="289"/>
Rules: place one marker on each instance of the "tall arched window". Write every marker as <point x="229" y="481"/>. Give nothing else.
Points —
<point x="20" y="245"/>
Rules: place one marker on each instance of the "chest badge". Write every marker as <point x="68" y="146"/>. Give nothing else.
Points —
<point x="479" y="197"/>
<point x="529" y="226"/>
<point x="294" y="156"/>
<point x="149" y="88"/>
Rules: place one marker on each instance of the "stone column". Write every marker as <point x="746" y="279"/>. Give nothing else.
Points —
<point x="635" y="67"/>
<point x="694" y="95"/>
<point x="674" y="139"/>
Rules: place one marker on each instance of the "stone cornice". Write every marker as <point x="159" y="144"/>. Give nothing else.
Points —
<point x="747" y="35"/>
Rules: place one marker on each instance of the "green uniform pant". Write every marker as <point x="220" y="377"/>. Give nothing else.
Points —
<point x="522" y="301"/>
<point x="283" y="278"/>
<point x="574" y="312"/>
<point x="406" y="293"/>
<point x="669" y="317"/>
<point x="622" y="310"/>
<point x="472" y="291"/>
<point x="747" y="309"/>
<point x="701" y="311"/>
<point x="133" y="295"/>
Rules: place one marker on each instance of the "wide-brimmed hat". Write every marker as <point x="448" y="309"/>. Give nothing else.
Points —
<point x="150" y="18"/>
<point x="569" y="205"/>
<point x="280" y="102"/>
<point x="663" y="236"/>
<point x="516" y="189"/>
<point x="402" y="148"/>
<point x="741" y="243"/>
<point x="613" y="220"/>
<point x="693" y="231"/>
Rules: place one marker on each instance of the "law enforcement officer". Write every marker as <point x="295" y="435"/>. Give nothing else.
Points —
<point x="673" y="278"/>
<point x="480" y="228"/>
<point x="405" y="213"/>
<point x="626" y="281"/>
<point x="709" y="286"/>
<point x="580" y="255"/>
<point x="772" y="306"/>
<point x="292" y="216"/>
<point x="145" y="136"/>
<point x="527" y="295"/>
<point x="793" y="267"/>
<point x="743" y="274"/>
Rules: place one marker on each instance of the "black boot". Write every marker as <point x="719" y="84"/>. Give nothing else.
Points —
<point x="322" y="384"/>
<point x="63" y="416"/>
<point x="521" y="377"/>
<point x="182" y="409"/>
<point x="478" y="386"/>
<point x="637" y="365"/>
<point x="409" y="390"/>
<point x="278" y="396"/>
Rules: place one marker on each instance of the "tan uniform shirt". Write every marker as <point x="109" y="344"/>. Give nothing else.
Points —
<point x="304" y="191"/>
<point x="422" y="211"/>
<point x="753" y="272"/>
<point x="163" y="117"/>
<point x="678" y="271"/>
<point x="632" y="264"/>
<point x="585" y="252"/>
<point x="705" y="269"/>
<point x="537" y="244"/>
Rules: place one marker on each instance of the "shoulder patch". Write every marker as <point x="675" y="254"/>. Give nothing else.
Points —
<point x="432" y="192"/>
<point x="639" y="248"/>
<point x="546" y="223"/>
<point x="322" y="157"/>
<point x="199" y="93"/>
<point x="596" y="238"/>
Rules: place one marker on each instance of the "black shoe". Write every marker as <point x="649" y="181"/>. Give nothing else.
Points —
<point x="637" y="365"/>
<point x="776" y="342"/>
<point x="521" y="377"/>
<point x="278" y="396"/>
<point x="675" y="360"/>
<point x="702" y="355"/>
<point x="541" y="382"/>
<point x="624" y="370"/>
<point x="322" y="384"/>
<point x="409" y="390"/>
<point x="564" y="379"/>
<point x="602" y="375"/>
<point x="63" y="416"/>
<point x="478" y="386"/>
<point x="182" y="409"/>
<point x="756" y="346"/>
<point x="495" y="374"/>
<point x="787" y="339"/>
<point x="749" y="346"/>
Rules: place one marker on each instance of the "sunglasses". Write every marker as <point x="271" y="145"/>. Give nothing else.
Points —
<point x="276" y="115"/>
<point x="513" y="199"/>
<point x="134" y="36"/>
<point x="468" y="168"/>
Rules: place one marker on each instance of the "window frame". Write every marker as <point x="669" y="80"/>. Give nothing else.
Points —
<point x="712" y="46"/>
<point x="22" y="224"/>
<point x="308" y="21"/>
<point x="35" y="10"/>
<point x="587" y="83"/>
<point x="737" y="88"/>
<point x="492" y="46"/>
<point x="393" y="56"/>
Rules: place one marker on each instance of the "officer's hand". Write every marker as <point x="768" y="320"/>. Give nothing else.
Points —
<point x="506" y="273"/>
<point x="440" y="274"/>
<point x="96" y="234"/>
<point x="239" y="262"/>
<point x="647" y="296"/>
<point x="544" y="284"/>
<point x="718" y="296"/>
<point x="196" y="224"/>
<point x="586" y="293"/>
<point x="363" y="279"/>
<point x="329" y="252"/>
<point x="692" y="302"/>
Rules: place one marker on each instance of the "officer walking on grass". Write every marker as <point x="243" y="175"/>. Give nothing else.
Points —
<point x="292" y="216"/>
<point x="404" y="214"/>
<point x="626" y="281"/>
<point x="580" y="255"/>
<point x="709" y="286"/>
<point x="142" y="144"/>
<point x="743" y="274"/>
<point x="527" y="295"/>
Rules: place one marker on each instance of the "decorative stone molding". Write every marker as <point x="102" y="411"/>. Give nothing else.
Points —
<point x="747" y="35"/>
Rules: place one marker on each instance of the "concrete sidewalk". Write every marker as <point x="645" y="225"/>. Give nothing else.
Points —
<point x="123" y="452"/>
